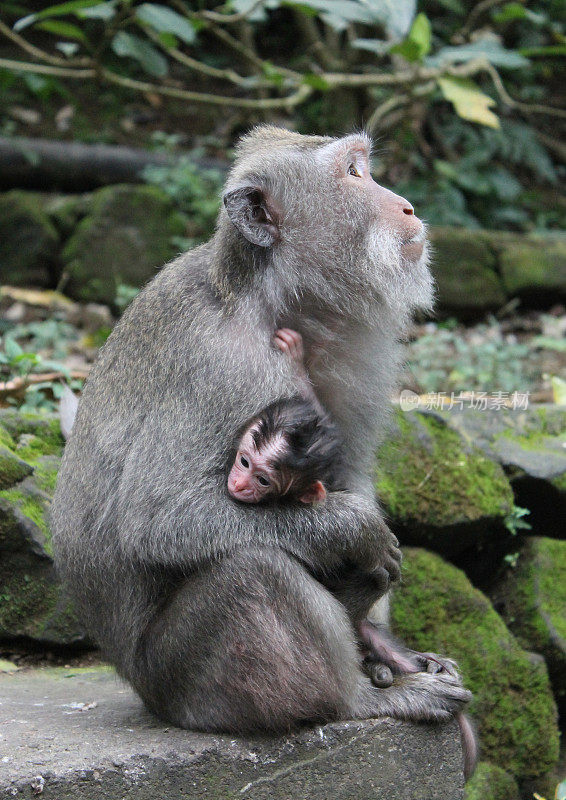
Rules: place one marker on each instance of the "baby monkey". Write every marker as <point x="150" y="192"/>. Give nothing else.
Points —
<point x="292" y="448"/>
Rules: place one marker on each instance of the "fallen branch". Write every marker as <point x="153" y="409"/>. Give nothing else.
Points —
<point x="18" y="386"/>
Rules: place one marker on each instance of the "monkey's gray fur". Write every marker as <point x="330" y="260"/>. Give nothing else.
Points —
<point x="210" y="608"/>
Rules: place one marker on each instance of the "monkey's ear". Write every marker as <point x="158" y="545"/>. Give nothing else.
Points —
<point x="251" y="214"/>
<point x="314" y="494"/>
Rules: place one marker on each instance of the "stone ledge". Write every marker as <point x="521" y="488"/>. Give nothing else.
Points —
<point x="115" y="750"/>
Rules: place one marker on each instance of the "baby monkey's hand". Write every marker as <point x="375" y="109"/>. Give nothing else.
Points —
<point x="290" y="342"/>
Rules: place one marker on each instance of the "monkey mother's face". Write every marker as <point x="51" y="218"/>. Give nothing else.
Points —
<point x="312" y="207"/>
<point x="385" y="240"/>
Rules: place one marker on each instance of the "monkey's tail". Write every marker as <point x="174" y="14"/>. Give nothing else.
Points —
<point x="469" y="745"/>
<point x="68" y="405"/>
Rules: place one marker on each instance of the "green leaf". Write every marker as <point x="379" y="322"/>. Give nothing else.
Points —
<point x="65" y="29"/>
<point x="54" y="11"/>
<point x="165" y="20"/>
<point x="453" y="5"/>
<point x="272" y="73"/>
<point x="551" y="50"/>
<point x="510" y="12"/>
<point x="104" y="11"/>
<point x="469" y="101"/>
<point x="417" y="44"/>
<point x="489" y="48"/>
<point x="126" y="44"/>
<point x="12" y="349"/>
<point x="168" y="40"/>
<point x="316" y="81"/>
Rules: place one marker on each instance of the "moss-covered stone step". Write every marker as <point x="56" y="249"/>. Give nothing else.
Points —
<point x="437" y="608"/>
<point x="32" y="602"/>
<point x="125" y="238"/>
<point x="530" y="445"/>
<point x="532" y="601"/>
<point x="490" y="782"/>
<point x="439" y="490"/>
<point x="29" y="243"/>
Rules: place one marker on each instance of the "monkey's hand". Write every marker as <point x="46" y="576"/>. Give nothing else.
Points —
<point x="380" y="558"/>
<point x="291" y="343"/>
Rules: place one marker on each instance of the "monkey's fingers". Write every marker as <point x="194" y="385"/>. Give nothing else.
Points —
<point x="435" y="664"/>
<point x="294" y="342"/>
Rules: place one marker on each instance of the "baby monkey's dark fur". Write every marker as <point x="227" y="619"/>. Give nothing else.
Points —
<point x="314" y="447"/>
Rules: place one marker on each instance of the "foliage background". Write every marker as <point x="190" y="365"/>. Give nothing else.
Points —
<point x="465" y="99"/>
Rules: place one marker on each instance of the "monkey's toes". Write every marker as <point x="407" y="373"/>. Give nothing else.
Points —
<point x="435" y="664"/>
<point x="380" y="674"/>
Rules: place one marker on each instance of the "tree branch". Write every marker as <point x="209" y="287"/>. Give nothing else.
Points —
<point x="225" y="19"/>
<point x="288" y="102"/>
<point x="35" y="52"/>
<point x="47" y="69"/>
<point x="212" y="72"/>
<point x="526" y="108"/>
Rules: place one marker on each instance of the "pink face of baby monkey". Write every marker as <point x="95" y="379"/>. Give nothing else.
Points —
<point x="253" y="478"/>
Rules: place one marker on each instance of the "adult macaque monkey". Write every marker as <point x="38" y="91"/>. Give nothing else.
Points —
<point x="217" y="612"/>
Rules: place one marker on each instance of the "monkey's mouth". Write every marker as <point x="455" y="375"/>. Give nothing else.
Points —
<point x="413" y="248"/>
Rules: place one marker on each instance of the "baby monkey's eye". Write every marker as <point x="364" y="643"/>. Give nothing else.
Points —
<point x="353" y="170"/>
<point x="262" y="480"/>
<point x="244" y="462"/>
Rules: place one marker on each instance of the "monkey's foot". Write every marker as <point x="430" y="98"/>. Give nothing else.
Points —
<point x="379" y="674"/>
<point x="434" y="664"/>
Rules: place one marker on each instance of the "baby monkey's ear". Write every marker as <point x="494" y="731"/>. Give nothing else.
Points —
<point x="314" y="494"/>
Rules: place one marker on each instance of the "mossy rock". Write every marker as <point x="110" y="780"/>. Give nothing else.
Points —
<point x="65" y="211"/>
<point x="491" y="783"/>
<point x="437" y="608"/>
<point x="32" y="601"/>
<point x="530" y="444"/>
<point x="124" y="239"/>
<point x="438" y="490"/>
<point x="465" y="269"/>
<point x="532" y="601"/>
<point x="12" y="468"/>
<point x="534" y="268"/>
<point x="29" y="242"/>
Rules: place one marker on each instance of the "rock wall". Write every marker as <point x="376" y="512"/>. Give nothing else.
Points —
<point x="122" y="234"/>
<point x="449" y="482"/>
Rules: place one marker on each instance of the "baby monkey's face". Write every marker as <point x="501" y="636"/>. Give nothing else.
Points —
<point x="253" y="477"/>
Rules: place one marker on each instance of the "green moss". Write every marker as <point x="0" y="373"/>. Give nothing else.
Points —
<point x="26" y="600"/>
<point x="534" y="602"/>
<point x="32" y="603"/>
<point x="465" y="270"/>
<point x="535" y="440"/>
<point x="46" y="427"/>
<point x="427" y="475"/>
<point x="12" y="468"/>
<point x="5" y="439"/>
<point x="491" y="783"/>
<point x="438" y="609"/>
<point x="29" y="242"/>
<point x="534" y="266"/>
<point x="45" y="473"/>
<point x="124" y="239"/>
<point x="31" y="505"/>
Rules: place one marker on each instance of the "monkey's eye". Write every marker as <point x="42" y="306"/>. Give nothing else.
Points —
<point x="244" y="462"/>
<point x="263" y="481"/>
<point x="353" y="170"/>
